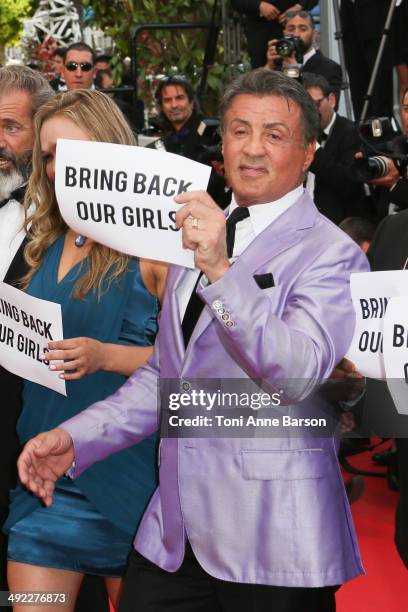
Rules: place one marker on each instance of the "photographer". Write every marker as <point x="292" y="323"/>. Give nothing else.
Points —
<point x="264" y="20"/>
<point x="391" y="190"/>
<point x="300" y="25"/>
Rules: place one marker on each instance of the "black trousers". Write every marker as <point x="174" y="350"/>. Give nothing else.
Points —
<point x="190" y="589"/>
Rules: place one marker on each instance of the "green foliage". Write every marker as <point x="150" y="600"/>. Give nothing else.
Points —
<point x="159" y="51"/>
<point x="11" y="26"/>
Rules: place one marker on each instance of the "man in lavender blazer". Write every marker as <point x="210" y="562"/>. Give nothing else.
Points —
<point x="232" y="515"/>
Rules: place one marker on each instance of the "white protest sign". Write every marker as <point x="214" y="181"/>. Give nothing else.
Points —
<point x="123" y="196"/>
<point x="371" y="292"/>
<point x="396" y="351"/>
<point x="27" y="324"/>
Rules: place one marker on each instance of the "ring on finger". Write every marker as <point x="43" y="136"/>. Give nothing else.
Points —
<point x="194" y="223"/>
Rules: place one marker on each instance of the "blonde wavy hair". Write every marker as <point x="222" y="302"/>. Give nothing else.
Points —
<point x="98" y="115"/>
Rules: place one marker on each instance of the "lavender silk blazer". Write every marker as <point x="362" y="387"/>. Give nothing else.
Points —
<point x="257" y="510"/>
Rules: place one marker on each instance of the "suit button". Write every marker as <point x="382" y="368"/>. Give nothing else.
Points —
<point x="217" y="304"/>
<point x="185" y="385"/>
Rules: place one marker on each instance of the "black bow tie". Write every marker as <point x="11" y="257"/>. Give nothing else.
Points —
<point x="17" y="194"/>
<point x="322" y="136"/>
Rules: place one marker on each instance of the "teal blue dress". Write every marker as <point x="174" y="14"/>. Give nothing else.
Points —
<point x="92" y="522"/>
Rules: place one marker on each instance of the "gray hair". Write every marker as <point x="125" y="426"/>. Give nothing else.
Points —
<point x="300" y="13"/>
<point x="22" y="78"/>
<point x="264" y="82"/>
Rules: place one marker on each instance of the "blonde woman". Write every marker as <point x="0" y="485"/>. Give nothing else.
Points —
<point x="109" y="307"/>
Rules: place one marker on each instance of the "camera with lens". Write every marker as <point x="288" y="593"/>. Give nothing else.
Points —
<point x="289" y="45"/>
<point x="382" y="140"/>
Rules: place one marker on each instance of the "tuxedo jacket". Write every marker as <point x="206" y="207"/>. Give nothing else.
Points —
<point x="11" y="388"/>
<point x="10" y="391"/>
<point x="337" y="194"/>
<point x="389" y="251"/>
<point x="255" y="510"/>
<point x="329" y="69"/>
<point x="383" y="196"/>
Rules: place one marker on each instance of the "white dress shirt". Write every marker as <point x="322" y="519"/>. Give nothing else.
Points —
<point x="11" y="233"/>
<point x="308" y="55"/>
<point x="260" y="216"/>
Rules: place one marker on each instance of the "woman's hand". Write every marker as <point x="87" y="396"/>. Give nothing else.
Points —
<point x="80" y="356"/>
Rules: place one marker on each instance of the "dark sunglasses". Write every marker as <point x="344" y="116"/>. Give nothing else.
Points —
<point x="85" y="66"/>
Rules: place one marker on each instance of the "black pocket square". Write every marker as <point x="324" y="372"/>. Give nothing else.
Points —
<point x="264" y="281"/>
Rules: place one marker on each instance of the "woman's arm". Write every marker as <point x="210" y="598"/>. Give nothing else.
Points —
<point x="81" y="356"/>
<point x="154" y="275"/>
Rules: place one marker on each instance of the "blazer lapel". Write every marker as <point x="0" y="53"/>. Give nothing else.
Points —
<point x="176" y="274"/>
<point x="280" y="235"/>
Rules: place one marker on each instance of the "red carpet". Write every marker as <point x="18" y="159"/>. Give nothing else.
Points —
<point x="385" y="586"/>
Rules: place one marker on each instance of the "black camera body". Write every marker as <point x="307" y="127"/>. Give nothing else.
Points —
<point x="289" y="45"/>
<point x="380" y="136"/>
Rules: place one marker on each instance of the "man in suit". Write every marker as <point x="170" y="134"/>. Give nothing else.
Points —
<point x="335" y="189"/>
<point x="264" y="21"/>
<point x="301" y="25"/>
<point x="237" y="524"/>
<point x="78" y="70"/>
<point x="22" y="92"/>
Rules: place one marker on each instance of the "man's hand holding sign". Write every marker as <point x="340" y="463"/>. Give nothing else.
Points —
<point x="204" y="232"/>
